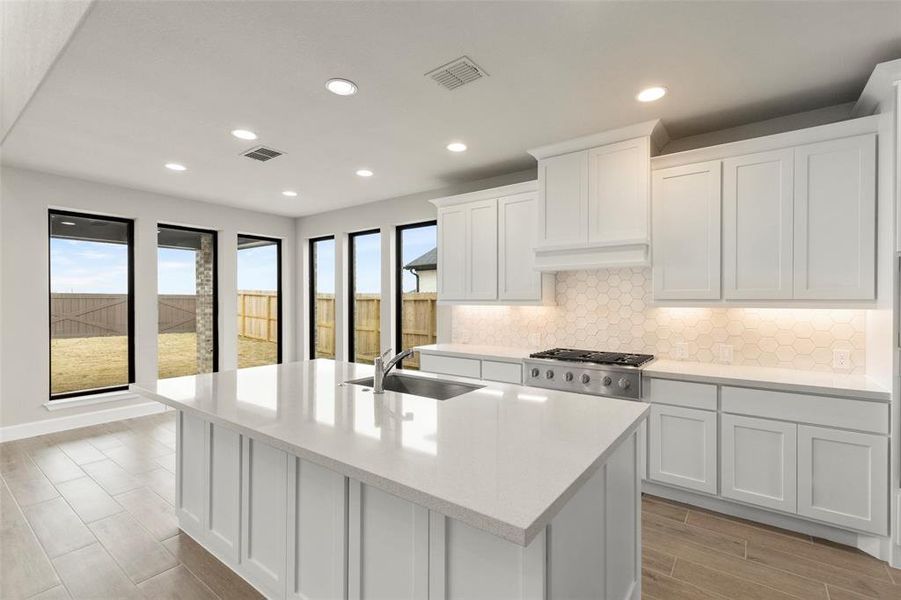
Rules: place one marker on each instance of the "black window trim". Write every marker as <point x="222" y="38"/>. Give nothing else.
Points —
<point x="278" y="283"/>
<point x="312" y="291"/>
<point x="215" y="235"/>
<point x="398" y="280"/>
<point x="350" y="289"/>
<point x="129" y="229"/>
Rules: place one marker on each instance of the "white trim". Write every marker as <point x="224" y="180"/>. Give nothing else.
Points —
<point x="89" y="399"/>
<point x="653" y="129"/>
<point x="33" y="428"/>
<point x="487" y="194"/>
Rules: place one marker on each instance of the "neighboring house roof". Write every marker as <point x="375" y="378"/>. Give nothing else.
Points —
<point x="426" y="262"/>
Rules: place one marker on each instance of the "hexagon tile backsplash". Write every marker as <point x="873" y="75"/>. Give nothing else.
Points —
<point x="611" y="309"/>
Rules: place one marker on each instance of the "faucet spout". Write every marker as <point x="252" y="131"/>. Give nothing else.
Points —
<point x="382" y="368"/>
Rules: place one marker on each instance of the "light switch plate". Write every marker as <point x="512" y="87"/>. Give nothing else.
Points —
<point x="841" y="359"/>
<point x="726" y="353"/>
<point x="680" y="350"/>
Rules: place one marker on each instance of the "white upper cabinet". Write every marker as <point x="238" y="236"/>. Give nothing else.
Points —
<point x="835" y="219"/>
<point x="485" y="242"/>
<point x="618" y="191"/>
<point x="757" y="226"/>
<point x="594" y="200"/>
<point x="687" y="232"/>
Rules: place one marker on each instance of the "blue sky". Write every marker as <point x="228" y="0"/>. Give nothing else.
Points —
<point x="98" y="268"/>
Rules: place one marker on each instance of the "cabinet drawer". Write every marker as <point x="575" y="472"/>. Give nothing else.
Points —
<point x="805" y="408"/>
<point x="451" y="365"/>
<point x="505" y="372"/>
<point x="680" y="393"/>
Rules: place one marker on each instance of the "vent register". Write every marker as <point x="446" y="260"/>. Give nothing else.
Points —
<point x="262" y="153"/>
<point x="457" y="73"/>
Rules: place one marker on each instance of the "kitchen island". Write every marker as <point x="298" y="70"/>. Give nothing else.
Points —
<point x="310" y="487"/>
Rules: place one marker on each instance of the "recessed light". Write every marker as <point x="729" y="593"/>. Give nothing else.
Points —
<point x="289" y="193"/>
<point x="244" y="134"/>
<point x="364" y="172"/>
<point x="650" y="94"/>
<point x="342" y="87"/>
<point x="456" y="147"/>
<point x="176" y="167"/>
<point x="69" y="223"/>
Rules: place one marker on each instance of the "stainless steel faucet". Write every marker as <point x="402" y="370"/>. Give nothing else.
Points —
<point x="382" y="368"/>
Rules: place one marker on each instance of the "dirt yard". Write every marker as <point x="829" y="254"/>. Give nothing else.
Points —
<point x="85" y="363"/>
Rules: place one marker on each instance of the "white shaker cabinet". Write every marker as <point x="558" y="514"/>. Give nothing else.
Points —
<point x="563" y="208"/>
<point x="618" y="193"/>
<point x="452" y="252"/>
<point x="467" y="251"/>
<point x="843" y="478"/>
<point x="835" y="219"/>
<point x="683" y="447"/>
<point x="758" y="462"/>
<point x="757" y="226"/>
<point x="517" y="279"/>
<point x="686" y="232"/>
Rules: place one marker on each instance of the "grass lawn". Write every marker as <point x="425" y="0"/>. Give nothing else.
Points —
<point x="86" y="363"/>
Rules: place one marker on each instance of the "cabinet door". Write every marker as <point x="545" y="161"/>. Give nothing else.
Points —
<point x="481" y="248"/>
<point x="843" y="478"/>
<point x="683" y="447"/>
<point x="757" y="226"/>
<point x="686" y="235"/>
<point x="517" y="278"/>
<point x="563" y="200"/>
<point x="452" y="253"/>
<point x="265" y="518"/>
<point x="835" y="219"/>
<point x="223" y="530"/>
<point x="618" y="190"/>
<point x="759" y="462"/>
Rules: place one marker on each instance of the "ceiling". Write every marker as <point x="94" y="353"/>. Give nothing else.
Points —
<point x="145" y="83"/>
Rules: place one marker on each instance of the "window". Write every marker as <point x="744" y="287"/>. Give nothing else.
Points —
<point x="416" y="276"/>
<point x="322" y="297"/>
<point x="259" y="301"/>
<point x="187" y="343"/>
<point x="365" y="296"/>
<point x="91" y="304"/>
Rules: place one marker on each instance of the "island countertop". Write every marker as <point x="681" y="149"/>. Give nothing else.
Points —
<point x="504" y="458"/>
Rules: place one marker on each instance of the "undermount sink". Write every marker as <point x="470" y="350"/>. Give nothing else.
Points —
<point x="437" y="389"/>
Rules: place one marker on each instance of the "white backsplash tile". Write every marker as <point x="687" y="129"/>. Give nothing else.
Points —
<point x="611" y="310"/>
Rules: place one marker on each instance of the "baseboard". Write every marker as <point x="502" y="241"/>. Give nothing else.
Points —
<point x="33" y="428"/>
<point x="873" y="545"/>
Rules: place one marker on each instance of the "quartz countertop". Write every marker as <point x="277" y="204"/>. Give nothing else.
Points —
<point x="790" y="380"/>
<point x="482" y="352"/>
<point x="504" y="458"/>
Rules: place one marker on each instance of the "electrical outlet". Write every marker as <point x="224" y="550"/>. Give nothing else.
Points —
<point x="680" y="350"/>
<point x="841" y="359"/>
<point x="726" y="354"/>
<point x="535" y="339"/>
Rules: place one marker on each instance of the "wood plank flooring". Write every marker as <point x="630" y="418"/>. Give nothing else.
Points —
<point x="89" y="514"/>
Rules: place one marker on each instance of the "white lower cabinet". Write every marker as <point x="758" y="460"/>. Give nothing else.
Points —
<point x="843" y="478"/>
<point x="683" y="447"/>
<point x="191" y="491"/>
<point x="264" y="517"/>
<point x="759" y="462"/>
<point x="222" y="526"/>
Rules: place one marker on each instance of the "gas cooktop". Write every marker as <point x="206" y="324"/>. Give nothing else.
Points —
<point x="621" y="359"/>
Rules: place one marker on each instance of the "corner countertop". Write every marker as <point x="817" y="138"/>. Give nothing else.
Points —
<point x="790" y="380"/>
<point x="503" y="458"/>
<point x="502" y="353"/>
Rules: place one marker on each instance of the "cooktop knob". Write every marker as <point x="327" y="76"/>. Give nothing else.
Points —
<point x="607" y="381"/>
<point x="535" y="372"/>
<point x="585" y="378"/>
<point x="568" y="376"/>
<point x="549" y="374"/>
<point x="623" y="383"/>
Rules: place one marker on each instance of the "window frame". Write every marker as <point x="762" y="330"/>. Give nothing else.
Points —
<point x="278" y="290"/>
<point x="398" y="279"/>
<point x="215" y="235"/>
<point x="351" y="300"/>
<point x="130" y="302"/>
<point x="311" y="291"/>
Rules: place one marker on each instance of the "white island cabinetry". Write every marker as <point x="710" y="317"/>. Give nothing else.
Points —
<point x="309" y="488"/>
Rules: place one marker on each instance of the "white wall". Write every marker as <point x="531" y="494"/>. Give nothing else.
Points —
<point x="384" y="215"/>
<point x="26" y="196"/>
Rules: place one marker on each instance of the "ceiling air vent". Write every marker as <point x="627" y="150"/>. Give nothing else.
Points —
<point x="457" y="73"/>
<point x="262" y="153"/>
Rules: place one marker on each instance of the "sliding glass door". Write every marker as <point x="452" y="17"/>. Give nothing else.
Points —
<point x="259" y="301"/>
<point x="187" y="342"/>
<point x="91" y="304"/>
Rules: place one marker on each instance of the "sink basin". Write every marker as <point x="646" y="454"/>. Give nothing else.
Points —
<point x="437" y="389"/>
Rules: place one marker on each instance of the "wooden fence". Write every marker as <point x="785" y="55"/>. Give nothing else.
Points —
<point x="258" y="315"/>
<point x="418" y="318"/>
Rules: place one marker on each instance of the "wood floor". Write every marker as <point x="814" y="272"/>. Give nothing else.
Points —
<point x="89" y="514"/>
